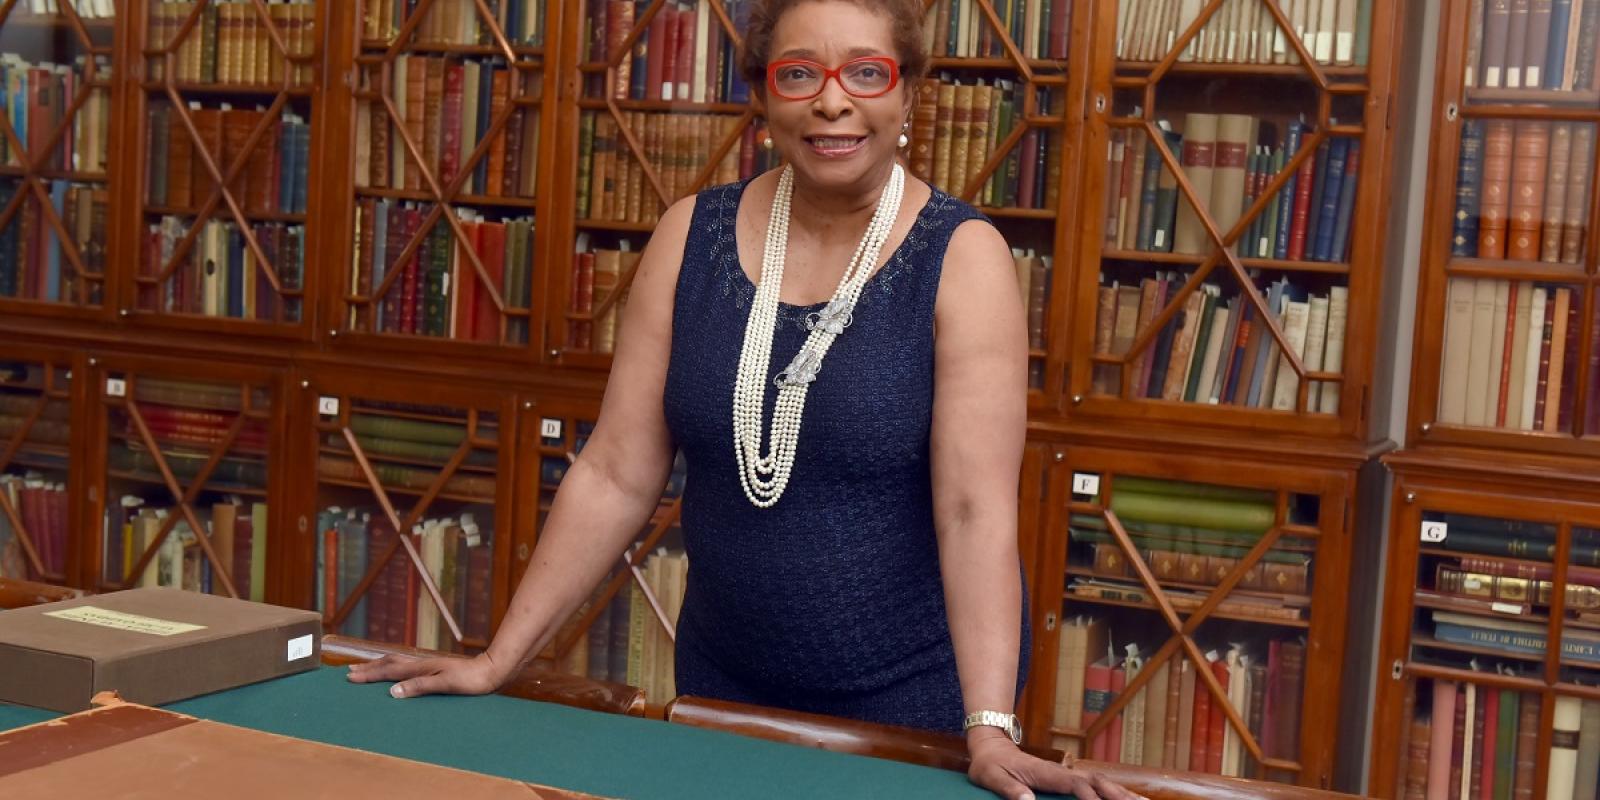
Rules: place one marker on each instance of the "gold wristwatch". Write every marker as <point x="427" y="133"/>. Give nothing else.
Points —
<point x="1005" y="722"/>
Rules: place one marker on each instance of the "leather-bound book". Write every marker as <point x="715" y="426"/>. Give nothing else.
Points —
<point x="1530" y="159"/>
<point x="1498" y="140"/>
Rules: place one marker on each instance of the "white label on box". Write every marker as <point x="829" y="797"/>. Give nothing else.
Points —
<point x="124" y="622"/>
<point x="328" y="406"/>
<point x="550" y="428"/>
<point x="1434" y="532"/>
<point x="1506" y="608"/>
<point x="116" y="387"/>
<point x="1086" y="483"/>
<point x="300" y="647"/>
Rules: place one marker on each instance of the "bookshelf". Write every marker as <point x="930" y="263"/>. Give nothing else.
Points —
<point x="639" y="143"/>
<point x="1523" y="391"/>
<point x="1501" y="561"/>
<point x="412" y="508"/>
<point x="1242" y="172"/>
<point x="185" y="474"/>
<point x="225" y="96"/>
<point x="58" y="168"/>
<point x="442" y="137"/>
<point x="1231" y="591"/>
<point x="36" y="467"/>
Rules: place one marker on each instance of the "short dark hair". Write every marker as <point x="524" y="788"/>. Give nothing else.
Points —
<point x="904" y="15"/>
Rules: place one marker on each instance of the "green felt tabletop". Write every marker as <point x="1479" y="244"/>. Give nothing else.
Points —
<point x="569" y="748"/>
<point x="17" y="716"/>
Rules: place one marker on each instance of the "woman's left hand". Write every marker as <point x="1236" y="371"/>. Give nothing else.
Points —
<point x="1003" y="768"/>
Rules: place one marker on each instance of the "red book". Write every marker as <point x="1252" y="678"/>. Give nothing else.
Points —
<point x="1200" y="735"/>
<point x="656" y="52"/>
<point x="1458" y="741"/>
<point x="683" y="74"/>
<point x="243" y="541"/>
<point x="491" y="251"/>
<point x="330" y="573"/>
<point x="1027" y="174"/>
<point x="1302" y="207"/>
<point x="666" y="87"/>
<point x="1569" y="377"/>
<point x="1217" y="724"/>
<point x="410" y="278"/>
<point x="1489" y="703"/>
<point x="450" y="118"/>
<point x="1505" y="363"/>
<point x="465" y="282"/>
<point x="1096" y="696"/>
<point x="1059" y="28"/>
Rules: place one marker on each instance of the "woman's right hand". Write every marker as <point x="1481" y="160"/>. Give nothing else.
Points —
<point x="415" y="677"/>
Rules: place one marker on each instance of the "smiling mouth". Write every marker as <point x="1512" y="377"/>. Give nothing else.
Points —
<point x="835" y="145"/>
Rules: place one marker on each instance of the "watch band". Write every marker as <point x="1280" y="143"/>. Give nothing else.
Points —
<point x="997" y="719"/>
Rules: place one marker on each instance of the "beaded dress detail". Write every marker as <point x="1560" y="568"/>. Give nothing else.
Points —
<point x="830" y="601"/>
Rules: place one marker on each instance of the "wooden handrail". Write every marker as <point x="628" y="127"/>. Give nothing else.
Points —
<point x="529" y="684"/>
<point x="947" y="751"/>
<point x="18" y="593"/>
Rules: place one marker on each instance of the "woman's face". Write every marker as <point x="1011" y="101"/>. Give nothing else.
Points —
<point x="836" y="141"/>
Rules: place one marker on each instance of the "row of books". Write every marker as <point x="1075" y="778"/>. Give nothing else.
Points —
<point x="1522" y="190"/>
<point x="184" y="425"/>
<point x="33" y="262"/>
<point x="611" y="181"/>
<point x="446" y="106"/>
<point x="409" y="441"/>
<point x="1513" y="638"/>
<point x="959" y="29"/>
<point x="237" y="532"/>
<point x="439" y="292"/>
<point x="221" y="275"/>
<point x="457" y="552"/>
<point x="1174" y="722"/>
<point x="957" y="128"/>
<point x="1192" y="534"/>
<point x="456" y="22"/>
<point x="1511" y="355"/>
<point x="1229" y="160"/>
<point x="1217" y="350"/>
<point x="41" y="503"/>
<point x="89" y="9"/>
<point x="627" y="643"/>
<point x="1034" y="278"/>
<point x="38" y="99"/>
<point x="596" y="274"/>
<point x="1532" y="542"/>
<point x="1334" y="32"/>
<point x="276" y="171"/>
<point x="407" y="454"/>
<point x="1532" y="45"/>
<point x="1478" y="741"/>
<point x="683" y="55"/>
<point x="230" y="43"/>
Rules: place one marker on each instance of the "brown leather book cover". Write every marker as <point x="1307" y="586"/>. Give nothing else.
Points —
<point x="1527" y="747"/>
<point x="1458" y="741"/>
<point x="1288" y="701"/>
<point x="1416" y="766"/>
<point x="1556" y="372"/>
<point x="1174" y="690"/>
<point x="978" y="135"/>
<point x="511" y="170"/>
<point x="1575" y="216"/>
<point x="1496" y="190"/>
<point x="1258" y="703"/>
<point x="261" y="188"/>
<point x="1200" y="728"/>
<point x="208" y="123"/>
<point x="1530" y="158"/>
<point x="432" y="120"/>
<point x="380" y="160"/>
<point x="1217" y="725"/>
<point x="1541" y="388"/>
<point x="1475" y="780"/>
<point x="236" y="125"/>
<point x="179" y="161"/>
<point x="1555" y="195"/>
<point x="960" y="137"/>
<point x="416" y="116"/>
<point x="923" y="119"/>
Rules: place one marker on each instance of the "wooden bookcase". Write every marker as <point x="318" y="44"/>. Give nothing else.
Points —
<point x="1149" y="264"/>
<point x="1447" y="633"/>
<point x="60" y="170"/>
<point x="1501" y="419"/>
<point x="39" y="466"/>
<point x="445" y="341"/>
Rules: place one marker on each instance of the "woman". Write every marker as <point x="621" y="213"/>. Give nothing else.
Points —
<point x="852" y="411"/>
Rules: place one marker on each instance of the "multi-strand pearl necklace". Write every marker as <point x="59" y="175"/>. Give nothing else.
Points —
<point x="764" y="477"/>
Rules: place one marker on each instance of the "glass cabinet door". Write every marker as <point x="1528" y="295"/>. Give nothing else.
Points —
<point x="35" y="450"/>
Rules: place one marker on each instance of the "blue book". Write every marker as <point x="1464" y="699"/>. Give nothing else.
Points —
<point x="302" y="164"/>
<point x="1285" y="199"/>
<point x="1319" y="181"/>
<point x="1469" y="187"/>
<point x="1555" y="62"/>
<point x="641" y="51"/>
<point x="1328" y="193"/>
<point x="289" y="151"/>
<point x="739" y="89"/>
<point x="480" y="173"/>
<point x="1234" y="350"/>
<point x="1347" y="203"/>
<point x="1147" y="195"/>
<point x="52" y="265"/>
<point x="1264" y="349"/>
<point x="380" y="259"/>
<point x="1511" y="637"/>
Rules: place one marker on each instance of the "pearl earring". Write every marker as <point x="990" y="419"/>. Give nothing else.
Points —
<point x="767" y="143"/>
<point x="904" y="140"/>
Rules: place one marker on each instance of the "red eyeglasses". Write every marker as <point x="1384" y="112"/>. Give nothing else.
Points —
<point x="800" y="79"/>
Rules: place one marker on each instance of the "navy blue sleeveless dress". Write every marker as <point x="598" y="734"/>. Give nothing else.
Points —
<point x="830" y="601"/>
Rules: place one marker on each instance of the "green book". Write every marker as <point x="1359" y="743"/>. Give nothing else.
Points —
<point x="1505" y="766"/>
<point x="1184" y="489"/>
<point x="258" y="552"/>
<point x="412" y="430"/>
<point x="1364" y="32"/>
<point x="1208" y="312"/>
<point x="585" y="161"/>
<point x="435" y="314"/>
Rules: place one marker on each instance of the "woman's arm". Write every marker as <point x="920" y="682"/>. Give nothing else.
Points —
<point x="605" y="498"/>
<point x="980" y="419"/>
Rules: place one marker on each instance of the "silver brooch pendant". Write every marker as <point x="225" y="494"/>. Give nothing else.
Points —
<point x="801" y="370"/>
<point x="833" y="318"/>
